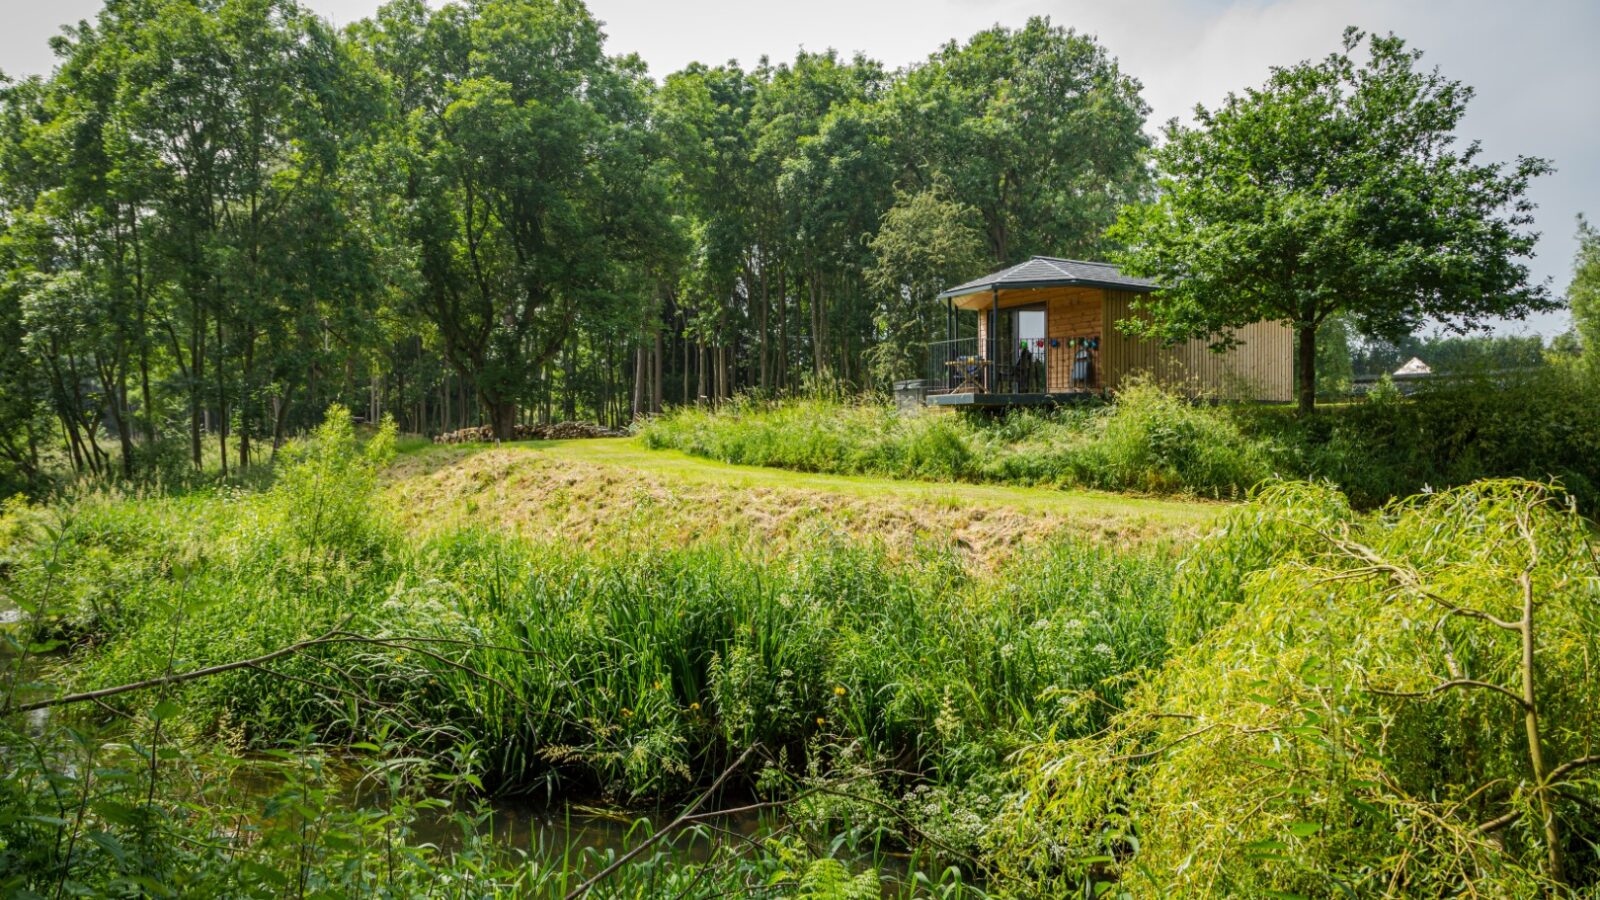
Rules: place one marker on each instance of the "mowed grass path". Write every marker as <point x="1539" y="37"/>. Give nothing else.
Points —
<point x="586" y="488"/>
<point x="631" y="453"/>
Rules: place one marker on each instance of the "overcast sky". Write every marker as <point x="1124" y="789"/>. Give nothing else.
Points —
<point x="1533" y="62"/>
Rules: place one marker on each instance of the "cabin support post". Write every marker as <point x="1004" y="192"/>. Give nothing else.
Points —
<point x="994" y="338"/>
<point x="949" y="342"/>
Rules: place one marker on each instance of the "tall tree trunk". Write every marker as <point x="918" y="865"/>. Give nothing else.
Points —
<point x="222" y="399"/>
<point x="246" y="397"/>
<point x="502" y="416"/>
<point x="1306" y="368"/>
<point x="781" y="379"/>
<point x="280" y="417"/>
<point x="197" y="362"/>
<point x="655" y="381"/>
<point x="569" y="377"/>
<point x="683" y="341"/>
<point x="150" y="436"/>
<point x="141" y="321"/>
<point x="444" y="403"/>
<point x="814" y="292"/>
<point x="124" y="423"/>
<point x="765" y="350"/>
<point x="638" y="381"/>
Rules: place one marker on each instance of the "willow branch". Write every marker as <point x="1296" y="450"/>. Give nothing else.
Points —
<point x="1570" y="766"/>
<point x="1453" y="683"/>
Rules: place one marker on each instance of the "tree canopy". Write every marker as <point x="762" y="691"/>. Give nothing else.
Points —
<point x="1583" y="294"/>
<point x="218" y="217"/>
<point x="1336" y="187"/>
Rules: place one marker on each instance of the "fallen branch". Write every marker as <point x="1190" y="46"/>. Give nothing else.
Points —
<point x="683" y="818"/>
<point x="336" y="635"/>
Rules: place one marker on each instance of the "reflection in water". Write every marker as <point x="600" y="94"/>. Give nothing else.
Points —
<point x="29" y="676"/>
<point x="534" y="827"/>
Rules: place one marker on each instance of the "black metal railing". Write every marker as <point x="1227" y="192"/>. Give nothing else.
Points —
<point x="1075" y="364"/>
<point x="957" y="367"/>
<point x="1033" y="366"/>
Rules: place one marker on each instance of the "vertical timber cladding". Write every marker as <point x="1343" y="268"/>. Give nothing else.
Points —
<point x="1260" y="367"/>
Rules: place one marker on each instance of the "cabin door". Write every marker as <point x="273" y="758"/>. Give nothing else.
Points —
<point x="1019" y="352"/>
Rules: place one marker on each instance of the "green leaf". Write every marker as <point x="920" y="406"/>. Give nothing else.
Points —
<point x="1304" y="829"/>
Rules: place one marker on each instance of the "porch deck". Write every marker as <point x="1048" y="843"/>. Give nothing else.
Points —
<point x="974" y="373"/>
<point x="982" y="400"/>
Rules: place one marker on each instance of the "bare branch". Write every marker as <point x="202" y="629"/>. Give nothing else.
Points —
<point x="1498" y="823"/>
<point x="337" y="635"/>
<point x="1562" y="771"/>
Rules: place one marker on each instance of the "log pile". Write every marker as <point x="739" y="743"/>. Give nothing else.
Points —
<point x="556" y="431"/>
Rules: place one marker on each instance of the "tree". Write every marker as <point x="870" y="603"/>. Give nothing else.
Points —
<point x="1037" y="128"/>
<point x="1583" y="294"/>
<point x="1335" y="187"/>
<point x="515" y="146"/>
<point x="926" y="242"/>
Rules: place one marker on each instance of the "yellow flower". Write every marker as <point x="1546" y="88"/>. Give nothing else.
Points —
<point x="821" y="721"/>
<point x="658" y="685"/>
<point x="838" y="691"/>
<point x="695" y="707"/>
<point x="626" y="712"/>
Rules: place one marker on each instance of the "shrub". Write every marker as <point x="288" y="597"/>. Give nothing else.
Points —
<point x="1152" y="440"/>
<point x="1357" y="721"/>
<point x="324" y="491"/>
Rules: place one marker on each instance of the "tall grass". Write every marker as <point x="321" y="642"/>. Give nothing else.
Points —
<point x="629" y="673"/>
<point x="1543" y="424"/>
<point x="613" y="673"/>
<point x="1149" y="440"/>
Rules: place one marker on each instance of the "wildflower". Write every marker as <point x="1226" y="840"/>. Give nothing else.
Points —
<point x="658" y="685"/>
<point x="838" y="691"/>
<point x="627" y="713"/>
<point x="695" y="707"/>
<point x="821" y="721"/>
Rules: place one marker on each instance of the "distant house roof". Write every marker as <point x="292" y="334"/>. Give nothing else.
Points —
<point x="1049" y="271"/>
<point x="1414" y="367"/>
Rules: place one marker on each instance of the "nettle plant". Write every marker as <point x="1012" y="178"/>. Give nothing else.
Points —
<point x="324" y="493"/>
<point x="1404" y="703"/>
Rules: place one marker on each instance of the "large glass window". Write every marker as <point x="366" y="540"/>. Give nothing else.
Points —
<point x="1020" y="351"/>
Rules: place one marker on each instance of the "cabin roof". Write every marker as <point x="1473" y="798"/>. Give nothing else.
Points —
<point x="1050" y="271"/>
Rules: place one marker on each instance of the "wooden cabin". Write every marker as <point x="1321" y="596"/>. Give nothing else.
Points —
<point x="1044" y="331"/>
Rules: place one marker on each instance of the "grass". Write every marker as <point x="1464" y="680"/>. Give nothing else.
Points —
<point x="614" y="670"/>
<point x="1149" y="442"/>
<point x="599" y="491"/>
<point x="1240" y="702"/>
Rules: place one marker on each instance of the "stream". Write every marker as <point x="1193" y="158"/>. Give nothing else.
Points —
<point x="557" y="827"/>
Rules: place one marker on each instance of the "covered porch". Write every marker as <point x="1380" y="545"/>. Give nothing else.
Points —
<point x="1027" y="335"/>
